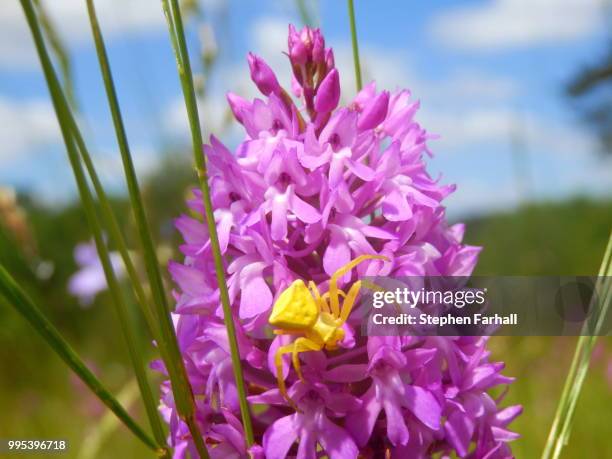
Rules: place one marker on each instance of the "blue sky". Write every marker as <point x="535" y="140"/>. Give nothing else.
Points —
<point x="489" y="74"/>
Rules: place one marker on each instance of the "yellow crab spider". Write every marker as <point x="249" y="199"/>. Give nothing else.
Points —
<point x="316" y="319"/>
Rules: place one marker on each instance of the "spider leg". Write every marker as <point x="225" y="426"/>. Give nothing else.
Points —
<point x="320" y="299"/>
<point x="333" y="282"/>
<point x="325" y="297"/>
<point x="349" y="301"/>
<point x="340" y="292"/>
<point x="302" y="345"/>
<point x="299" y="345"/>
<point x="278" y="363"/>
<point x="279" y="331"/>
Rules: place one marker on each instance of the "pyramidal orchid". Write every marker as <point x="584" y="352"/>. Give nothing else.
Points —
<point x="311" y="187"/>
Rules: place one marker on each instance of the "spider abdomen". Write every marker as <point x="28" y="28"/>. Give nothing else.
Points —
<point x="295" y="308"/>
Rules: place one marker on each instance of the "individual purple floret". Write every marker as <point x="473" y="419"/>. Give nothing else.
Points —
<point x="311" y="187"/>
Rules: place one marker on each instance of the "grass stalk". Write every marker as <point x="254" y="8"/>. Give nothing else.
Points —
<point x="167" y="339"/>
<point x="116" y="236"/>
<point x="561" y="426"/>
<point x="584" y="351"/>
<point x="26" y="308"/>
<point x="177" y="37"/>
<point x="355" y="44"/>
<point x="93" y="441"/>
<point x="127" y="324"/>
<point x="58" y="47"/>
<point x="112" y="226"/>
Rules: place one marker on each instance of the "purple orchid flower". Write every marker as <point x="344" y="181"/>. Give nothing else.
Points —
<point x="311" y="425"/>
<point x="311" y="187"/>
<point x="389" y="368"/>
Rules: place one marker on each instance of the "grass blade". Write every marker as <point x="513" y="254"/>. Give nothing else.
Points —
<point x="126" y="322"/>
<point x="167" y="339"/>
<point x="177" y="37"/>
<point x="351" y="11"/>
<point x="561" y="427"/>
<point x="584" y="351"/>
<point x="112" y="226"/>
<point x="24" y="306"/>
<point x="92" y="443"/>
<point x="59" y="49"/>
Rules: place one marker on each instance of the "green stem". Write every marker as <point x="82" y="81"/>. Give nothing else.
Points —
<point x="127" y="324"/>
<point x="351" y="11"/>
<point x="560" y="429"/>
<point x="177" y="36"/>
<point x="181" y="389"/>
<point x="26" y="307"/>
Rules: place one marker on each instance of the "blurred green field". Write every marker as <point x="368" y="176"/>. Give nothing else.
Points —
<point x="550" y="239"/>
<point x="40" y="399"/>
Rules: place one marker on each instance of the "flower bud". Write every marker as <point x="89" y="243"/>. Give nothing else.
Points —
<point x="262" y="75"/>
<point x="237" y="105"/>
<point x="318" y="46"/>
<point x="329" y="59"/>
<point x="375" y="112"/>
<point x="296" y="87"/>
<point x="328" y="94"/>
<point x="307" y="48"/>
<point x="298" y="52"/>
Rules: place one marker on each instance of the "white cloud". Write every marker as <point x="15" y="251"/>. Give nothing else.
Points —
<point x="71" y="20"/>
<point x="464" y="128"/>
<point x="510" y="23"/>
<point x="467" y="85"/>
<point x="269" y="35"/>
<point x="26" y="125"/>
